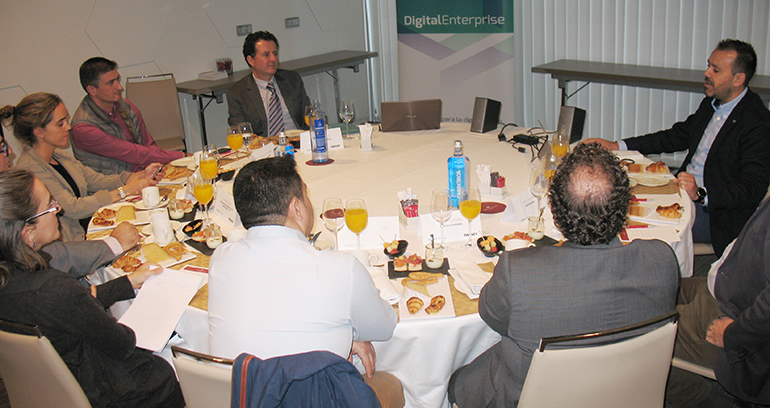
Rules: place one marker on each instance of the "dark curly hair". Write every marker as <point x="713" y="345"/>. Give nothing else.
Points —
<point x="249" y="43"/>
<point x="589" y="196"/>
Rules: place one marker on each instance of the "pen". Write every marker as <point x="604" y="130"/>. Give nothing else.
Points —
<point x="156" y="172"/>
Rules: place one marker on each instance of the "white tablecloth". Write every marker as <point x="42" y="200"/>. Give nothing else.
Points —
<point x="421" y="354"/>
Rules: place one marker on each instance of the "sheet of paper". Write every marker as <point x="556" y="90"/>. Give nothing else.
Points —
<point x="333" y="140"/>
<point x="159" y="305"/>
<point x="456" y="229"/>
<point x="665" y="234"/>
<point x="224" y="207"/>
<point x="377" y="230"/>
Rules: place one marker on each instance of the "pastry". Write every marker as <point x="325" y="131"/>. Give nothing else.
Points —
<point x="414" y="304"/>
<point x="175" y="249"/>
<point x="657" y="167"/>
<point x="424" y="275"/>
<point x="101" y="222"/>
<point x="125" y="213"/>
<point x="154" y="253"/>
<point x="107" y="213"/>
<point x="637" y="211"/>
<point x="670" y="211"/>
<point x="436" y="304"/>
<point x="415" y="262"/>
<point x="415" y="286"/>
<point x="400" y="264"/>
<point x="127" y="263"/>
<point x="635" y="168"/>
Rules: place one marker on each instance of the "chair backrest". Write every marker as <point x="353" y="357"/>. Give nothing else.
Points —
<point x="629" y="373"/>
<point x="34" y="373"/>
<point x="158" y="101"/>
<point x="205" y="380"/>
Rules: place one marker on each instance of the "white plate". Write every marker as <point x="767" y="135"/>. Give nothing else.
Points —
<point x="439" y="288"/>
<point x="140" y="205"/>
<point x="142" y="217"/>
<point x="651" y="180"/>
<point x="650" y="216"/>
<point x="183" y="162"/>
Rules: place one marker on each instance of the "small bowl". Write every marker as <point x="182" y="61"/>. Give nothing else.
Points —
<point x="227" y="176"/>
<point x="401" y="249"/>
<point x="489" y="254"/>
<point x="191" y="227"/>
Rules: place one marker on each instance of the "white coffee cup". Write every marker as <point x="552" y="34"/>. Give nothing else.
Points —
<point x="197" y="158"/>
<point x="161" y="227"/>
<point x="517" y="243"/>
<point x="364" y="257"/>
<point x="151" y="196"/>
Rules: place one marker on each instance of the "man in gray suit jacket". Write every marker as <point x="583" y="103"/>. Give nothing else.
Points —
<point x="590" y="283"/>
<point x="248" y="100"/>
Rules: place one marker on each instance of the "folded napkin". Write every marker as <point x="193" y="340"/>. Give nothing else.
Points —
<point x="385" y="285"/>
<point x="469" y="278"/>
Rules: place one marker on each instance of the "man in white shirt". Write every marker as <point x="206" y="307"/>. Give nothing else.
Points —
<point x="727" y="168"/>
<point x="272" y="293"/>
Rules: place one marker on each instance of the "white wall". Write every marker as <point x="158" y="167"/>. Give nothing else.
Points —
<point x="664" y="33"/>
<point x="45" y="41"/>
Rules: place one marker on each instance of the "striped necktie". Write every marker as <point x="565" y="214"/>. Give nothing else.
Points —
<point x="275" y="117"/>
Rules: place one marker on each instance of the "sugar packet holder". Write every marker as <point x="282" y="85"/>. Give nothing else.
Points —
<point x="491" y="184"/>
<point x="408" y="213"/>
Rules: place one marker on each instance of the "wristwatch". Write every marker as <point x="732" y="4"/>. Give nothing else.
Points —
<point x="701" y="195"/>
<point x="121" y="193"/>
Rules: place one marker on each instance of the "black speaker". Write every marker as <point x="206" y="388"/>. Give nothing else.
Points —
<point x="486" y="115"/>
<point x="571" y="122"/>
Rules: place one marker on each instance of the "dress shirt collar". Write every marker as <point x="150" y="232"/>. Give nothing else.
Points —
<point x="274" y="231"/>
<point x="263" y="84"/>
<point x="727" y="108"/>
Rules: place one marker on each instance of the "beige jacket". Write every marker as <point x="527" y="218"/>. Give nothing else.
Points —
<point x="94" y="189"/>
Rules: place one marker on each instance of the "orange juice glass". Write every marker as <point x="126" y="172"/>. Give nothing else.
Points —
<point x="209" y="168"/>
<point x="470" y="209"/>
<point x="203" y="193"/>
<point x="356" y="219"/>
<point x="235" y="141"/>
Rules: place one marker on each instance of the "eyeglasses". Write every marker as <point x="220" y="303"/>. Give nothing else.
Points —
<point x="54" y="206"/>
<point x="4" y="148"/>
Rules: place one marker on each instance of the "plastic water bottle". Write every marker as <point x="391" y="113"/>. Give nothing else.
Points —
<point x="459" y="173"/>
<point x="284" y="148"/>
<point x="318" y="130"/>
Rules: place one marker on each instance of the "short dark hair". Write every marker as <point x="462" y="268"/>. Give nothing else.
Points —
<point x="263" y="190"/>
<point x="745" y="62"/>
<point x="17" y="204"/>
<point x="589" y="196"/>
<point x="249" y="49"/>
<point x="93" y="69"/>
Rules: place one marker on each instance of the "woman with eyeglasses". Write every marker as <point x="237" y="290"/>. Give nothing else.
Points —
<point x="41" y="122"/>
<point x="100" y="352"/>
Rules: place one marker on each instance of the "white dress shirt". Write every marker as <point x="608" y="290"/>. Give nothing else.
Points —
<point x="273" y="294"/>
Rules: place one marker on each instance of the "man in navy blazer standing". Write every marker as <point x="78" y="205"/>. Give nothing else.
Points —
<point x="727" y="168"/>
<point x="592" y="282"/>
<point x="249" y="100"/>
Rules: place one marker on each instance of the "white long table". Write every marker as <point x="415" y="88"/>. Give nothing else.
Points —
<point x="421" y="354"/>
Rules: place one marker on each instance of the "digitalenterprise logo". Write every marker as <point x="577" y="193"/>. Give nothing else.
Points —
<point x="447" y="20"/>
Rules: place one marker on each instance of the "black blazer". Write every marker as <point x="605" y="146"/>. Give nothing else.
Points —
<point x="244" y="103"/>
<point x="737" y="170"/>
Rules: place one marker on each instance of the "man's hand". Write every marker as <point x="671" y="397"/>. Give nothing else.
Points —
<point x="126" y="234"/>
<point x="142" y="273"/>
<point x="604" y="143"/>
<point x="687" y="182"/>
<point x="365" y="351"/>
<point x="716" y="332"/>
<point x="149" y="172"/>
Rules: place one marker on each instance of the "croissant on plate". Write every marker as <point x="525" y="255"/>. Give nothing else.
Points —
<point x="414" y="304"/>
<point x="657" y="167"/>
<point x="436" y="304"/>
<point x="670" y="211"/>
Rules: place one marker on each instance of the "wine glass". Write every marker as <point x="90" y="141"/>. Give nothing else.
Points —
<point x="470" y="207"/>
<point x="334" y="217"/>
<point x="559" y="145"/>
<point x="248" y="136"/>
<point x="538" y="183"/>
<point x="202" y="188"/>
<point x="347" y="112"/>
<point x="356" y="218"/>
<point x="209" y="164"/>
<point x="234" y="139"/>
<point x="441" y="209"/>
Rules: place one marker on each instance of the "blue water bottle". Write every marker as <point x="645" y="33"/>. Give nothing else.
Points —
<point x="318" y="129"/>
<point x="458" y="171"/>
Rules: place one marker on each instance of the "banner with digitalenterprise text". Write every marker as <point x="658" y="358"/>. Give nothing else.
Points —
<point x="456" y="51"/>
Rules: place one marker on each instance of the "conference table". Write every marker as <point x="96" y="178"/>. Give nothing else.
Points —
<point x="422" y="354"/>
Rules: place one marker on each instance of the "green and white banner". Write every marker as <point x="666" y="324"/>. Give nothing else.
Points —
<point x="456" y="51"/>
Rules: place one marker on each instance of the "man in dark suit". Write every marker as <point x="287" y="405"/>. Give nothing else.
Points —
<point x="725" y="323"/>
<point x="271" y="99"/>
<point x="590" y="283"/>
<point x="727" y="168"/>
